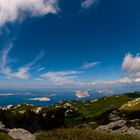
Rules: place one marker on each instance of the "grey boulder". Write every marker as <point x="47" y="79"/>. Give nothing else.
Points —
<point x="21" y="134"/>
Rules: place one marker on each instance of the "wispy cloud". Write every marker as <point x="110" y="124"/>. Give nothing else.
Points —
<point x="15" y="10"/>
<point x="22" y="72"/>
<point x="61" y="77"/>
<point x="90" y="65"/>
<point x="40" y="69"/>
<point x="88" y="3"/>
<point x="38" y="57"/>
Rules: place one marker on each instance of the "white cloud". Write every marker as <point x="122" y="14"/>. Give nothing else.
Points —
<point x="40" y="69"/>
<point x="105" y="91"/>
<point x="15" y="10"/>
<point x="38" y="79"/>
<point x="124" y="80"/>
<point x="131" y="68"/>
<point x="22" y="72"/>
<point x="40" y="99"/>
<point x="131" y="63"/>
<point x="6" y="94"/>
<point x="90" y="65"/>
<point x="61" y="77"/>
<point x="129" y="79"/>
<point x="87" y="3"/>
<point x="82" y="94"/>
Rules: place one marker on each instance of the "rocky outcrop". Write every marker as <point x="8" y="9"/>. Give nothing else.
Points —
<point x="2" y="128"/>
<point x="1" y="125"/>
<point x="17" y="134"/>
<point x="129" y="131"/>
<point x="114" y="115"/>
<point x="119" y="127"/>
<point x="21" y="134"/>
<point x="133" y="131"/>
<point x="112" y="126"/>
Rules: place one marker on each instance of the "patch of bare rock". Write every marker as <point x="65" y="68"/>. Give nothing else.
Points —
<point x="119" y="127"/>
<point x="2" y="127"/>
<point x="21" y="134"/>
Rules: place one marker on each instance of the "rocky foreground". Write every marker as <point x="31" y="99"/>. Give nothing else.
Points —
<point x="113" y="115"/>
<point x="120" y="128"/>
<point x="117" y="127"/>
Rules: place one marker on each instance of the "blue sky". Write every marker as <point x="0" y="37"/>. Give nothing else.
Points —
<point x="69" y="44"/>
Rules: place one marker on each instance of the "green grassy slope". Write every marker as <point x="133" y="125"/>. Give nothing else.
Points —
<point x="90" y="110"/>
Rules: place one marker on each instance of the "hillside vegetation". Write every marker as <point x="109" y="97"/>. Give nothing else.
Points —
<point x="69" y="113"/>
<point x="81" y="134"/>
<point x="4" y="136"/>
<point x="133" y="105"/>
<point x="74" y="120"/>
<point x="95" y="109"/>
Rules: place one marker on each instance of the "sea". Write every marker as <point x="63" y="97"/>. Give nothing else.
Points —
<point x="52" y="96"/>
<point x="31" y="96"/>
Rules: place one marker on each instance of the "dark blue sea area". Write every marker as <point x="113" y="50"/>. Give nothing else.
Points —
<point x="14" y="97"/>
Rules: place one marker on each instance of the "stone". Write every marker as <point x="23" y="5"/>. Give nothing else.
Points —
<point x="135" y="120"/>
<point x="133" y="131"/>
<point x="112" y="126"/>
<point x="92" y="123"/>
<point x="128" y="131"/>
<point x="114" y="116"/>
<point x="1" y="125"/>
<point x="120" y="128"/>
<point x="67" y="105"/>
<point x="21" y="134"/>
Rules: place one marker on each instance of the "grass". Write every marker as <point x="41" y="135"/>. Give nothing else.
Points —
<point x="133" y="105"/>
<point x="4" y="136"/>
<point x="103" y="105"/>
<point x="81" y="134"/>
<point x="89" y="111"/>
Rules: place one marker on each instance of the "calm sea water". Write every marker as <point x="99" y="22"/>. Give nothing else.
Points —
<point x="15" y="97"/>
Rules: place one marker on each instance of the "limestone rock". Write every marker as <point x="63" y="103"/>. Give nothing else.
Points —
<point x="114" y="116"/>
<point x="112" y="126"/>
<point x="120" y="128"/>
<point x="128" y="131"/>
<point x="2" y="127"/>
<point x="133" y="131"/>
<point x="21" y="134"/>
